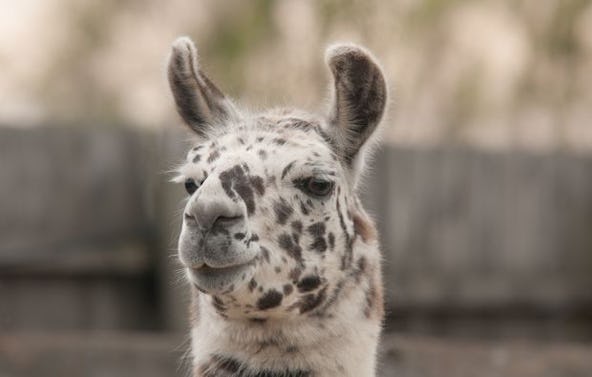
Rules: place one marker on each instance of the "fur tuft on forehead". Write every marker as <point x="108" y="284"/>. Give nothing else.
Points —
<point x="358" y="100"/>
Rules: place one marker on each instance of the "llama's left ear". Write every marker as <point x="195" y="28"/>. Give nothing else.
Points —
<point x="359" y="97"/>
<point x="199" y="102"/>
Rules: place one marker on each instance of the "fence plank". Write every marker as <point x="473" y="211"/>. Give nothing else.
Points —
<point x="469" y="228"/>
<point x="460" y="227"/>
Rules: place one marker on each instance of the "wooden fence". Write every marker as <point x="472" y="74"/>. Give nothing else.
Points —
<point x="469" y="228"/>
<point x="88" y="223"/>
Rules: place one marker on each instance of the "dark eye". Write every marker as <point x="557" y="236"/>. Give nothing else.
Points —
<point x="191" y="186"/>
<point x="316" y="186"/>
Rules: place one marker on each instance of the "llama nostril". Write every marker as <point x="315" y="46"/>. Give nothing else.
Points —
<point x="226" y="221"/>
<point x="188" y="217"/>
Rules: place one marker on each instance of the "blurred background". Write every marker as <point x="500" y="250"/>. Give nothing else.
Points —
<point x="482" y="189"/>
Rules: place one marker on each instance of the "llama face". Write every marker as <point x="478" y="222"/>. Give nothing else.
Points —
<point x="267" y="225"/>
<point x="271" y="218"/>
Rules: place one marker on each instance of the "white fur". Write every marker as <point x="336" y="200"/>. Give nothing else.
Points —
<point x="338" y="335"/>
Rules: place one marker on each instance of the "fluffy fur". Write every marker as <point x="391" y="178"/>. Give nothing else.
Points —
<point x="301" y="293"/>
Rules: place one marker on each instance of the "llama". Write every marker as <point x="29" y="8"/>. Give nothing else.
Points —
<point x="282" y="260"/>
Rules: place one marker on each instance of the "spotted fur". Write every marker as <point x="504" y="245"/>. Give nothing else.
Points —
<point x="283" y="261"/>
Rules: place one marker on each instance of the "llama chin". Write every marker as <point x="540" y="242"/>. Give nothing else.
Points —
<point x="282" y="260"/>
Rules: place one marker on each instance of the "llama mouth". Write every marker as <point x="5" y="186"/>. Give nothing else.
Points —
<point x="218" y="279"/>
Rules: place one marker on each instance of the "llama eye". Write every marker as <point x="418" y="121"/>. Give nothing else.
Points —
<point x="191" y="186"/>
<point x="317" y="186"/>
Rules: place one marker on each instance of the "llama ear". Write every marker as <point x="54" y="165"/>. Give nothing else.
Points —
<point x="199" y="102"/>
<point x="358" y="97"/>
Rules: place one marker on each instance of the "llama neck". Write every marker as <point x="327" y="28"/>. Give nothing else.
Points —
<point x="339" y="340"/>
<point x="341" y="343"/>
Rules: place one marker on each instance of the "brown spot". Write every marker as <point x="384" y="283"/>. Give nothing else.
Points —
<point x="235" y="181"/>
<point x="317" y="229"/>
<point x="298" y="124"/>
<point x="297" y="226"/>
<point x="360" y="270"/>
<point x="294" y="250"/>
<point x="312" y="301"/>
<point x="213" y="156"/>
<point x="303" y="209"/>
<point x="270" y="299"/>
<point x="362" y="264"/>
<point x="218" y="305"/>
<point x="319" y="245"/>
<point x="334" y="296"/>
<point x="288" y="288"/>
<point x="291" y="349"/>
<point x="282" y="211"/>
<point x="257" y="183"/>
<point x="287" y="169"/>
<point x="308" y="283"/>
<point x="271" y="180"/>
<point x="364" y="228"/>
<point x="225" y="366"/>
<point x="265" y="253"/>
<point x="295" y="274"/>
<point x="252" y="285"/>
<point x="279" y="141"/>
<point x="331" y="238"/>
<point x="374" y="301"/>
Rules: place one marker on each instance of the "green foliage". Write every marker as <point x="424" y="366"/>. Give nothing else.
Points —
<point x="559" y="38"/>
<point x="430" y="12"/>
<point x="234" y="36"/>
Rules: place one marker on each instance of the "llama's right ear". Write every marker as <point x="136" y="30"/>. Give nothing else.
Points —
<point x="359" y="96"/>
<point x="199" y="102"/>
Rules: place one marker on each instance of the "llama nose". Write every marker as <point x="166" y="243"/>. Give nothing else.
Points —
<point x="212" y="212"/>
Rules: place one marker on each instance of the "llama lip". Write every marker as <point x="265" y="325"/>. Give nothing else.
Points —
<point x="214" y="279"/>
<point x="208" y="270"/>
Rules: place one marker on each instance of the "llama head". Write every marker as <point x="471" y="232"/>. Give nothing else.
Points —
<point x="272" y="216"/>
